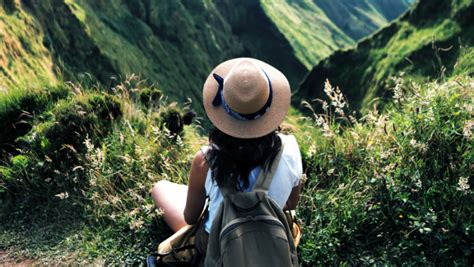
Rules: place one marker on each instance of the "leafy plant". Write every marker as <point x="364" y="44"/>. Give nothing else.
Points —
<point x="392" y="188"/>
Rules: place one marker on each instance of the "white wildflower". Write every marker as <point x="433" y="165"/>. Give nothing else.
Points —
<point x="319" y="120"/>
<point x="467" y="130"/>
<point x="389" y="168"/>
<point x="88" y="144"/>
<point x="136" y="224"/>
<point x="422" y="147"/>
<point x="149" y="208"/>
<point x="331" y="172"/>
<point x="469" y="107"/>
<point x="327" y="132"/>
<point x="398" y="93"/>
<point x="463" y="184"/>
<point x="126" y="159"/>
<point x="114" y="200"/>
<point x="328" y="89"/>
<point x="179" y="141"/>
<point x="95" y="196"/>
<point x="353" y="119"/>
<point x="336" y="97"/>
<point x="325" y="106"/>
<point x="312" y="150"/>
<point x="99" y="155"/>
<point x="62" y="195"/>
<point x="418" y="183"/>
<point x="159" y="212"/>
<point x="134" y="212"/>
<point x="385" y="154"/>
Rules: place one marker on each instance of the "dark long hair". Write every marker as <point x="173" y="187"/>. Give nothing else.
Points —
<point x="230" y="158"/>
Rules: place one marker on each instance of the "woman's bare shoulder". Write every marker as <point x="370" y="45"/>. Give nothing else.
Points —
<point x="200" y="162"/>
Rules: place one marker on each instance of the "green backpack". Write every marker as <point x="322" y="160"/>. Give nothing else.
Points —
<point x="250" y="229"/>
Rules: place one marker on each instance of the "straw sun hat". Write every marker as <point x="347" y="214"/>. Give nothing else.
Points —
<point x="246" y="97"/>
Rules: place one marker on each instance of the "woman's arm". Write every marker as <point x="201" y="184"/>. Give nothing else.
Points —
<point x="294" y="197"/>
<point x="196" y="192"/>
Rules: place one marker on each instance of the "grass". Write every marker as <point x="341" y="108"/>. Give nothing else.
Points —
<point x="22" y="51"/>
<point x="388" y="189"/>
<point x="78" y="182"/>
<point x="392" y="188"/>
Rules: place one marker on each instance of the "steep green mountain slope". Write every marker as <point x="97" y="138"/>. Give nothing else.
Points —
<point x="172" y="43"/>
<point x="316" y="28"/>
<point x="261" y="38"/>
<point x="425" y="43"/>
<point x="160" y="41"/>
<point x="358" y="18"/>
<point x="23" y="58"/>
<point x="310" y="32"/>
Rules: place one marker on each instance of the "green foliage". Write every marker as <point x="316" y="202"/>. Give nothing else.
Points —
<point x="89" y="160"/>
<point x="17" y="110"/>
<point x="50" y="147"/>
<point x="150" y="96"/>
<point x="426" y="43"/>
<point x="392" y="188"/>
<point x="388" y="188"/>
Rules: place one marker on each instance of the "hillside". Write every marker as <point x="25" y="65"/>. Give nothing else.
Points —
<point x="358" y="18"/>
<point x="425" y="43"/>
<point x="388" y="189"/>
<point x="24" y="60"/>
<point x="172" y="43"/>
<point x="310" y="32"/>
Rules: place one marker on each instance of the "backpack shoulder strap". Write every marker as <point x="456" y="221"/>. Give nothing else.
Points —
<point x="225" y="191"/>
<point x="265" y="177"/>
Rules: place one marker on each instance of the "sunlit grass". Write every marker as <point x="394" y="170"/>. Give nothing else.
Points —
<point x="89" y="160"/>
<point x="312" y="35"/>
<point x="392" y="187"/>
<point x="22" y="51"/>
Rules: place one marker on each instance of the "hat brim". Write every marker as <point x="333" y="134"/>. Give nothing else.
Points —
<point x="265" y="124"/>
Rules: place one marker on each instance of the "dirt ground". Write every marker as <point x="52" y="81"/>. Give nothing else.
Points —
<point x="7" y="260"/>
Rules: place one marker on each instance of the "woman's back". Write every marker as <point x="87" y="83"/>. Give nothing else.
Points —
<point x="286" y="177"/>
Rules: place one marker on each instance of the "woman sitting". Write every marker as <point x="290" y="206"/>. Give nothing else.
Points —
<point x="246" y="100"/>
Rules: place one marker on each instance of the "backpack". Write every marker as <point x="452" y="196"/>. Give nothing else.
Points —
<point x="250" y="229"/>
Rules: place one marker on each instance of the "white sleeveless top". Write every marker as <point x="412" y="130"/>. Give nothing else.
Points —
<point x="287" y="176"/>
